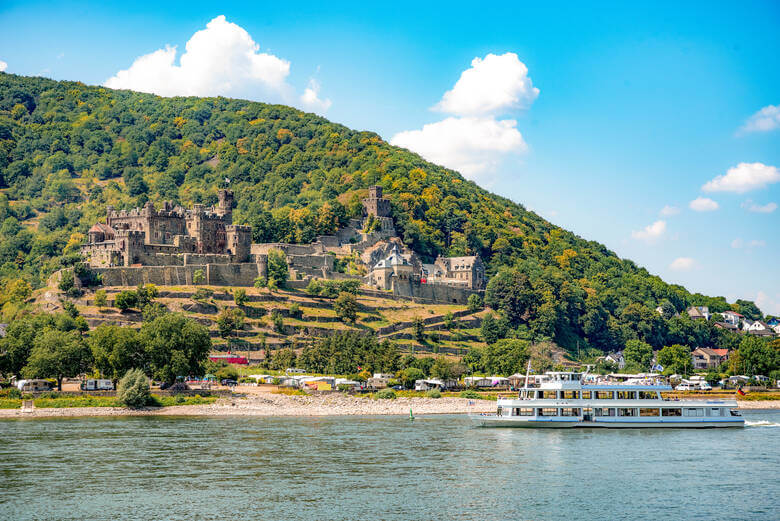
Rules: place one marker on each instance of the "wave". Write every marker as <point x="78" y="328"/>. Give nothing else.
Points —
<point x="761" y="423"/>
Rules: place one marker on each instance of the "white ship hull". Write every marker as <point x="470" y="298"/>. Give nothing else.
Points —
<point x="491" y="420"/>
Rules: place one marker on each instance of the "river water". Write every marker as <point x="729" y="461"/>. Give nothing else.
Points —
<point x="437" y="467"/>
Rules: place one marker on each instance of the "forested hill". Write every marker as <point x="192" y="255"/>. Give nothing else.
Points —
<point x="67" y="150"/>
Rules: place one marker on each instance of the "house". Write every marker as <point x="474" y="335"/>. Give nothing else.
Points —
<point x="763" y="333"/>
<point x="772" y="322"/>
<point x="746" y="323"/>
<point x="705" y="358"/>
<point x="732" y="317"/>
<point x="727" y="326"/>
<point x="617" y="359"/>
<point x="723" y="354"/>
<point x="393" y="267"/>
<point x="776" y="328"/>
<point x="433" y="383"/>
<point x="699" y="312"/>
<point x="467" y="272"/>
<point x="486" y="381"/>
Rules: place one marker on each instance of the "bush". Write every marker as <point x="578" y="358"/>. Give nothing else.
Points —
<point x="227" y="373"/>
<point x="385" y="394"/>
<point x="125" y="300"/>
<point x="198" y="277"/>
<point x="295" y="310"/>
<point x="66" y="281"/>
<point x="314" y="288"/>
<point x="433" y="393"/>
<point x="344" y="387"/>
<point x="100" y="298"/>
<point x="471" y="395"/>
<point x="239" y="297"/>
<point x="474" y="303"/>
<point x="133" y="389"/>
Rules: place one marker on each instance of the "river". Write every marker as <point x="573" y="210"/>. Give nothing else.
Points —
<point x="437" y="467"/>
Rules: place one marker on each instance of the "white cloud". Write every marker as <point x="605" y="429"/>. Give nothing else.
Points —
<point x="743" y="178"/>
<point x="703" y="204"/>
<point x="470" y="145"/>
<point x="755" y="243"/>
<point x="492" y="85"/>
<point x="682" y="264"/>
<point x="668" y="211"/>
<point x="757" y="208"/>
<point x="764" y="120"/>
<point x="650" y="232"/>
<point x="767" y="304"/>
<point x="220" y="60"/>
<point x="311" y="98"/>
<point x="474" y="141"/>
<point x="3" y="66"/>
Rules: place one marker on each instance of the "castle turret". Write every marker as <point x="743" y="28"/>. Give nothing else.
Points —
<point x="225" y="206"/>
<point x="238" y="241"/>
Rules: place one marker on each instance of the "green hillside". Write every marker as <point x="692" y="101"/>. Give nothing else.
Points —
<point x="67" y="150"/>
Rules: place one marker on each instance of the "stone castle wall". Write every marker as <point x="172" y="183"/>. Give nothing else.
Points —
<point x="243" y="274"/>
<point x="433" y="292"/>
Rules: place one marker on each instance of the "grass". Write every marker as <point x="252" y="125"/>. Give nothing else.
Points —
<point x="290" y="392"/>
<point x="61" y="402"/>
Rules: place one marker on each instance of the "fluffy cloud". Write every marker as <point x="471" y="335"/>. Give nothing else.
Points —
<point x="743" y="178"/>
<point x="755" y="243"/>
<point x="703" y="204"/>
<point x="650" y="232"/>
<point x="759" y="208"/>
<point x="311" y="98"/>
<point x="682" y="264"/>
<point x="469" y="145"/>
<point x="3" y="66"/>
<point x="767" y="304"/>
<point x="474" y="141"/>
<point x="220" y="60"/>
<point x="492" y="85"/>
<point x="668" y="211"/>
<point x="764" y="120"/>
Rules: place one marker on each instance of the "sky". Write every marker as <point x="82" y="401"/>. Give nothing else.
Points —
<point x="653" y="128"/>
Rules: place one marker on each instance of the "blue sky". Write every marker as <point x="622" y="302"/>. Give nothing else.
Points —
<point x="638" y="107"/>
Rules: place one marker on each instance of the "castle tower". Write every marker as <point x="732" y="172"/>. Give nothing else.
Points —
<point x="375" y="204"/>
<point x="238" y="241"/>
<point x="225" y="206"/>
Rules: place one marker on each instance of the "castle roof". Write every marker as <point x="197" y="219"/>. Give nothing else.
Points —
<point x="102" y="228"/>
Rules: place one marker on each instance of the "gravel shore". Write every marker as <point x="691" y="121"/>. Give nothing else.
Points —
<point x="268" y="404"/>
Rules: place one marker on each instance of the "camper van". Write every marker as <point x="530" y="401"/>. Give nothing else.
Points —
<point x="31" y="386"/>
<point x="94" y="384"/>
<point x="690" y="385"/>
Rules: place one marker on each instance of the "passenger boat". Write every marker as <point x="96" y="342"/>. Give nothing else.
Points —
<point x="570" y="399"/>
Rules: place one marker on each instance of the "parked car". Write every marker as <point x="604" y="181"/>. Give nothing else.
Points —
<point x="229" y="382"/>
<point x="398" y="387"/>
<point x="164" y="386"/>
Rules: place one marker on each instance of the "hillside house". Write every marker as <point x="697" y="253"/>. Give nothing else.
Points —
<point x="617" y="359"/>
<point x="727" y="326"/>
<point x="705" y="358"/>
<point x="699" y="312"/>
<point x="732" y="317"/>
<point x="467" y="272"/>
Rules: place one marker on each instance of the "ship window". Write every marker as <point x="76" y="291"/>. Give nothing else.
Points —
<point x="649" y="412"/>
<point x="626" y="395"/>
<point x="586" y="395"/>
<point x="548" y="411"/>
<point x="570" y="395"/>
<point x="604" y="395"/>
<point x="626" y="411"/>
<point x="716" y="411"/>
<point x="603" y="411"/>
<point x="697" y="411"/>
<point x="647" y="395"/>
<point x="671" y="411"/>
<point x="547" y="395"/>
<point x="523" y="411"/>
<point x="570" y="412"/>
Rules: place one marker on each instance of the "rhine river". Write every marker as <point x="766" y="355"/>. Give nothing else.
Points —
<point x="437" y="467"/>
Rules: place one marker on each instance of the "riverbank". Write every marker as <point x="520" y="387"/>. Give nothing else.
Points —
<point x="269" y="404"/>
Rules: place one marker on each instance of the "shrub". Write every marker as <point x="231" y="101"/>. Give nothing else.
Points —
<point x="202" y="294"/>
<point x="295" y="310"/>
<point x="66" y="281"/>
<point x="314" y="288"/>
<point x="227" y="372"/>
<point x="133" y="389"/>
<point x="100" y="298"/>
<point x="385" y="394"/>
<point x="345" y="307"/>
<point x="125" y="300"/>
<point x="278" y="320"/>
<point x="70" y="308"/>
<point x="433" y="393"/>
<point x="344" y="387"/>
<point x="239" y="297"/>
<point x="198" y="277"/>
<point x="471" y="395"/>
<point x="474" y="303"/>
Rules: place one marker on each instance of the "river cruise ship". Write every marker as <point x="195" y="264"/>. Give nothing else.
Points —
<point x="570" y="399"/>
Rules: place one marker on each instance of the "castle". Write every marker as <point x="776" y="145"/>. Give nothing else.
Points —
<point x="169" y="245"/>
<point x="149" y="237"/>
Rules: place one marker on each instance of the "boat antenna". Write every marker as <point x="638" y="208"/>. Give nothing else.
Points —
<point x="527" y="372"/>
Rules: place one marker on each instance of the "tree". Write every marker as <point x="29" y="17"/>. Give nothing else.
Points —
<point x="283" y="359"/>
<point x="175" y="346"/>
<point x="345" y="307"/>
<point x="638" y="354"/>
<point x="100" y="298"/>
<point x="418" y="327"/>
<point x="116" y="350"/>
<point x="511" y="292"/>
<point x="757" y="356"/>
<point x="474" y="303"/>
<point x="198" y="277"/>
<point x="278" y="271"/>
<point x="676" y="359"/>
<point x="230" y="320"/>
<point x="67" y="281"/>
<point x="493" y="328"/>
<point x="18" y="342"/>
<point x="411" y="375"/>
<point x="125" y="300"/>
<point x="506" y="357"/>
<point x="57" y="354"/>
<point x="239" y="297"/>
<point x="145" y="294"/>
<point x="133" y="390"/>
